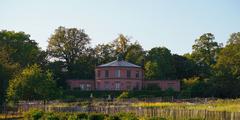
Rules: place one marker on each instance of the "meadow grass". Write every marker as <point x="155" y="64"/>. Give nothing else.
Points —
<point x="10" y="117"/>
<point x="230" y="105"/>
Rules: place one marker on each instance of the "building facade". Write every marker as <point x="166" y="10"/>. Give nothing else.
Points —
<point x="121" y="75"/>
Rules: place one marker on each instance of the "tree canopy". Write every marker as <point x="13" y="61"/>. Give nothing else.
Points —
<point x="159" y="64"/>
<point x="209" y="70"/>
<point x="68" y="44"/>
<point x="32" y="84"/>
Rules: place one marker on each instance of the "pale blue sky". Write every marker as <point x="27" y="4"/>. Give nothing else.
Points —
<point x="174" y="24"/>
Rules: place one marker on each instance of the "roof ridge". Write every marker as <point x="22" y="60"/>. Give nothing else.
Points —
<point x="117" y="63"/>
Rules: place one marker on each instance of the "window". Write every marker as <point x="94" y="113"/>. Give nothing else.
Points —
<point x="137" y="74"/>
<point x="128" y="73"/>
<point x="82" y="86"/>
<point x="106" y="86"/>
<point x="98" y="85"/>
<point x="99" y="73"/>
<point x="88" y="87"/>
<point x="117" y="73"/>
<point x="117" y="86"/>
<point x="106" y="74"/>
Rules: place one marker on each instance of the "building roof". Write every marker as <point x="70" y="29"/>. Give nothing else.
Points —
<point x="119" y="63"/>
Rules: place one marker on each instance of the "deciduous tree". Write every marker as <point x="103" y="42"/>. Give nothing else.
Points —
<point x="161" y="63"/>
<point x="32" y="84"/>
<point x="68" y="44"/>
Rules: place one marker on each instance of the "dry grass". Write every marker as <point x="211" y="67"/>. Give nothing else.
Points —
<point x="230" y="105"/>
<point x="8" y="116"/>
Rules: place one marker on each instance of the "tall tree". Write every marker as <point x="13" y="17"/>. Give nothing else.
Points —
<point x="226" y="80"/>
<point x="234" y="38"/>
<point x="104" y="53"/>
<point x="160" y="59"/>
<point x="121" y="44"/>
<point x="205" y="49"/>
<point x="7" y="70"/>
<point x="185" y="67"/>
<point x="20" y="47"/>
<point x="17" y="51"/>
<point x="135" y="53"/>
<point x="68" y="44"/>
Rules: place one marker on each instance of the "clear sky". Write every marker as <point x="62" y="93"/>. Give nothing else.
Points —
<point x="174" y="24"/>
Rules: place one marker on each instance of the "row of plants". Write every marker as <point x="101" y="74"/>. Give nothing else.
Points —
<point x="116" y="94"/>
<point x="35" y="114"/>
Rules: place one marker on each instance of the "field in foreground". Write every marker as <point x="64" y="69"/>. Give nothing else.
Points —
<point x="139" y="110"/>
<point x="230" y="105"/>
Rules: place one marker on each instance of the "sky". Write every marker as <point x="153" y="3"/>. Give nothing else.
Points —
<point x="174" y="24"/>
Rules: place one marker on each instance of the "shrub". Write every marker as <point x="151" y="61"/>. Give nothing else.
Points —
<point x="170" y="92"/>
<point x="157" y="118"/>
<point x="73" y="117"/>
<point x="82" y="116"/>
<point x="114" y="117"/>
<point x="52" y="116"/>
<point x="127" y="116"/>
<point x="96" y="116"/>
<point x="62" y="116"/>
<point x="123" y="95"/>
<point x="33" y="114"/>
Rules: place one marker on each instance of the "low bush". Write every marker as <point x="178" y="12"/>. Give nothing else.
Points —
<point x="157" y="118"/>
<point x="40" y="115"/>
<point x="33" y="114"/>
<point x="96" y="116"/>
<point x="52" y="116"/>
<point x="123" y="95"/>
<point x="114" y="117"/>
<point x="82" y="116"/>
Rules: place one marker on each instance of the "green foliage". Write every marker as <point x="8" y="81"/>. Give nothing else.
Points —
<point x="157" y="118"/>
<point x="185" y="67"/>
<point x="104" y="53"/>
<point x="59" y="75"/>
<point x="227" y="71"/>
<point x="31" y="84"/>
<point x="114" y="117"/>
<point x="152" y="87"/>
<point x="205" y="49"/>
<point x="51" y="116"/>
<point x="194" y="87"/>
<point x="121" y="44"/>
<point x="170" y="92"/>
<point x="33" y="114"/>
<point x="7" y="69"/>
<point x="159" y="64"/>
<point x="234" y="38"/>
<point x="209" y="70"/>
<point x="20" y="47"/>
<point x="69" y="45"/>
<point x="17" y="51"/>
<point x="123" y="95"/>
<point x="135" y="53"/>
<point x="96" y="116"/>
<point x="82" y="116"/>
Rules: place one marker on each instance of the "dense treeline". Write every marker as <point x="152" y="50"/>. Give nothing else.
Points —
<point x="210" y="70"/>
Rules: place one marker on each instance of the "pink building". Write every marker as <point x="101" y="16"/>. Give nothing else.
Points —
<point x="121" y="75"/>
